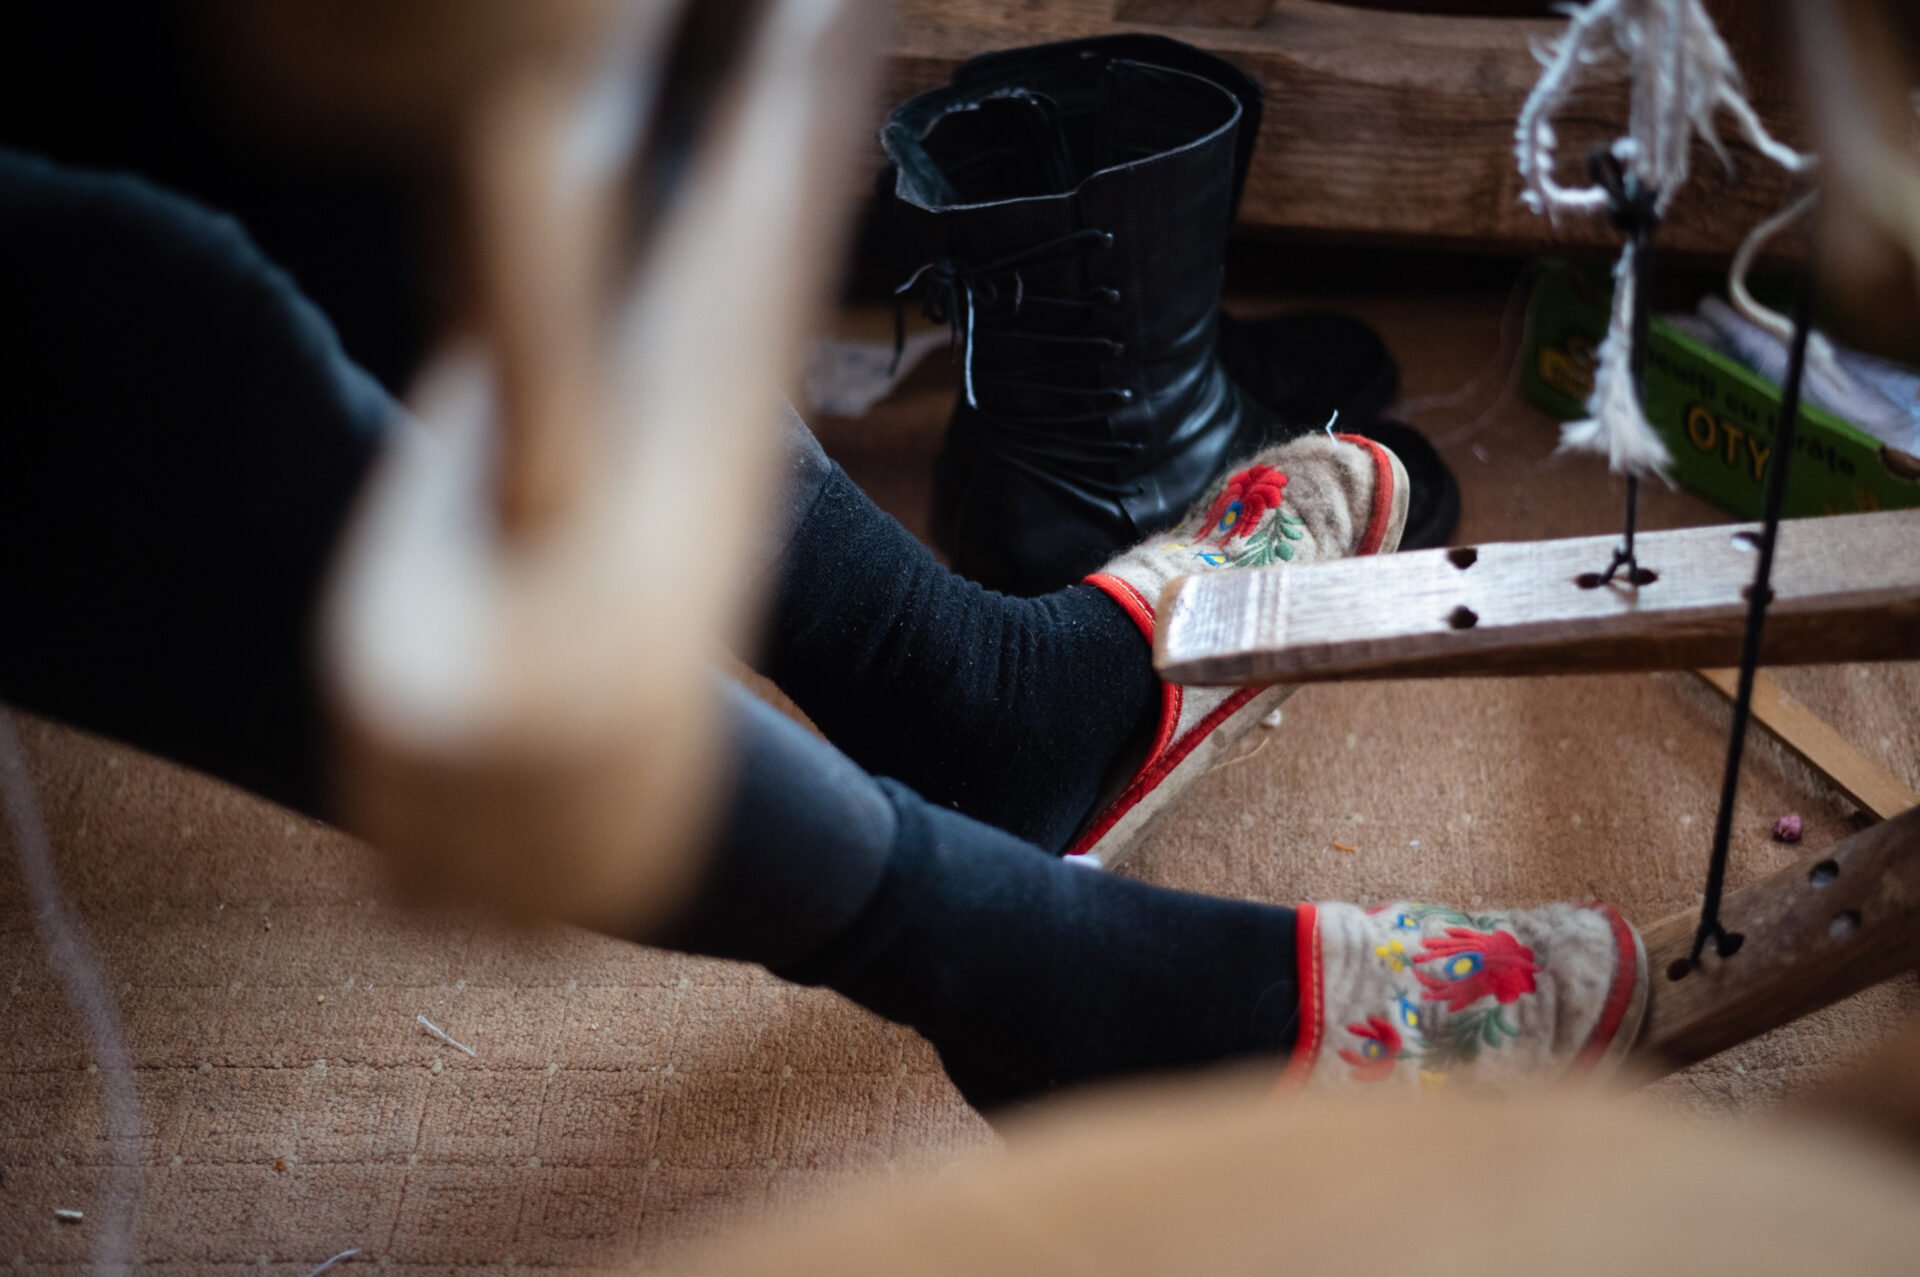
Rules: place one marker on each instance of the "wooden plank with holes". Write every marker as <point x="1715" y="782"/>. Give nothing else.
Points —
<point x="1838" y="922"/>
<point x="1392" y="126"/>
<point x="1852" y="772"/>
<point x="1846" y="588"/>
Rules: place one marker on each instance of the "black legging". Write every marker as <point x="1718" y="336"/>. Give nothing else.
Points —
<point x="181" y="441"/>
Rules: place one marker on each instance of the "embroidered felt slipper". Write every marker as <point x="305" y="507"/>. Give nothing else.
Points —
<point x="1421" y="996"/>
<point x="1316" y="497"/>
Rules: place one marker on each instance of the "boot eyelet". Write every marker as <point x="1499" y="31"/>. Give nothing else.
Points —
<point x="1108" y="296"/>
<point x="1123" y="394"/>
<point x="1116" y="348"/>
<point x="1105" y="240"/>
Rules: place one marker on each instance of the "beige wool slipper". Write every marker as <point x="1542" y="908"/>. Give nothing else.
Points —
<point x="1317" y="497"/>
<point x="1422" y="996"/>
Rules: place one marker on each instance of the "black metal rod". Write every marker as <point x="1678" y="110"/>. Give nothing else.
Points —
<point x="1644" y="223"/>
<point x="1625" y="556"/>
<point x="1758" y="596"/>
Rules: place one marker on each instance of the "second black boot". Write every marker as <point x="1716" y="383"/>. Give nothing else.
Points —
<point x="1074" y="238"/>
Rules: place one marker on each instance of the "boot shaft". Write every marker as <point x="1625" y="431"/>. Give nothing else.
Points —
<point x="1075" y="222"/>
<point x="1042" y="65"/>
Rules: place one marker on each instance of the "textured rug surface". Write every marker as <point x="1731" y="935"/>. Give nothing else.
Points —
<point x="622" y="1104"/>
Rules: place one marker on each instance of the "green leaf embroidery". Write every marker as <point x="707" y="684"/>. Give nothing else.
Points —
<point x="1459" y="1039"/>
<point x="1417" y="914"/>
<point x="1263" y="548"/>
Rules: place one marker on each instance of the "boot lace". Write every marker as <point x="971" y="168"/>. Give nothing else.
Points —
<point x="957" y="293"/>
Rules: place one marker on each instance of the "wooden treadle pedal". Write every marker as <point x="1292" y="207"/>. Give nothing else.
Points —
<point x="1845" y="588"/>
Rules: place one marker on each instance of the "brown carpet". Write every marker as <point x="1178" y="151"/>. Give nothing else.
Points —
<point x="623" y="1103"/>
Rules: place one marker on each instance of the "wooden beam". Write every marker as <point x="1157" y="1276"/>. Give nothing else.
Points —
<point x="1194" y="13"/>
<point x="1846" y="588"/>
<point x="1868" y="784"/>
<point x="1388" y="125"/>
<point x="1838" y="922"/>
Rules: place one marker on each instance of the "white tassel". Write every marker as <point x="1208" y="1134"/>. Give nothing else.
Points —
<point x="1682" y="75"/>
<point x="1616" y="427"/>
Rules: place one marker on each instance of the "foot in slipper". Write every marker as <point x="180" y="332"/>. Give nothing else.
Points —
<point x="1416" y="997"/>
<point x="1317" y="497"/>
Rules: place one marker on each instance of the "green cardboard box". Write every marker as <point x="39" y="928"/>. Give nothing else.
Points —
<point x="1717" y="417"/>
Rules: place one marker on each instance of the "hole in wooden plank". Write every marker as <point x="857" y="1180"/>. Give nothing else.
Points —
<point x="1679" y="968"/>
<point x="1463" y="618"/>
<point x="1844" y="924"/>
<point x="1634" y="577"/>
<point x="1823" y="874"/>
<point x="1729" y="944"/>
<point x="1464" y="557"/>
<point x="1747" y="541"/>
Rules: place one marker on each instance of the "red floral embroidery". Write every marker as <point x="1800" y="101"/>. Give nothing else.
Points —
<point x="1243" y="503"/>
<point x="1472" y="964"/>
<point x="1379" y="1044"/>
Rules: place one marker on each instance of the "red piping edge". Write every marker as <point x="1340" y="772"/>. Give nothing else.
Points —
<point x="1135" y="605"/>
<point x="1157" y="768"/>
<point x="1306" y="1045"/>
<point x="1376" y="533"/>
<point x="1619" y="997"/>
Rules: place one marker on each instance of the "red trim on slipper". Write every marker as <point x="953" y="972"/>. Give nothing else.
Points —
<point x="1306" y="1044"/>
<point x="1619" y="997"/>
<point x="1137" y="606"/>
<point x="1128" y="596"/>
<point x="1376" y="533"/>
<point x="1157" y="767"/>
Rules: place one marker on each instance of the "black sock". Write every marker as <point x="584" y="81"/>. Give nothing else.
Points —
<point x="1029" y="973"/>
<point x="1010" y="710"/>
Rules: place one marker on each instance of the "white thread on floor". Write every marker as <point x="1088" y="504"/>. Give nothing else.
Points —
<point x="1242" y="757"/>
<point x="67" y="1215"/>
<point x="343" y="1255"/>
<point x="70" y="951"/>
<point x="443" y="1035"/>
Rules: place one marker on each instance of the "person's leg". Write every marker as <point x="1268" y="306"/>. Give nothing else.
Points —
<point x="1030" y="973"/>
<point x="160" y="371"/>
<point x="181" y="443"/>
<point x="1025" y="971"/>
<point x="1011" y="710"/>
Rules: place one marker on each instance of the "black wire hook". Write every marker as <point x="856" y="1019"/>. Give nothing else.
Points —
<point x="1634" y="210"/>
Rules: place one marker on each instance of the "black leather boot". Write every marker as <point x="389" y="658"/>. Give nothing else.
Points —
<point x="1072" y="202"/>
<point x="1075" y="240"/>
